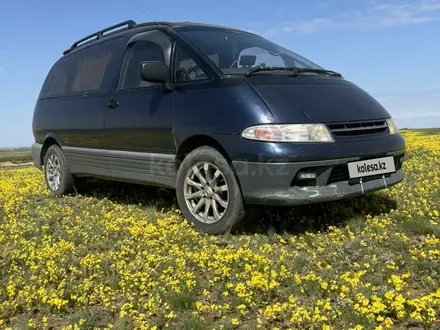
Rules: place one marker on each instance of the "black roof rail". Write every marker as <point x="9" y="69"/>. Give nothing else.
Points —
<point x="98" y="35"/>
<point x="158" y="23"/>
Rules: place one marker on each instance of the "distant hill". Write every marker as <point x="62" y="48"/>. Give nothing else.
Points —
<point x="7" y="149"/>
<point x="418" y="122"/>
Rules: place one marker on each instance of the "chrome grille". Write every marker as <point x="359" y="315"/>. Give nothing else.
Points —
<point x="358" y="128"/>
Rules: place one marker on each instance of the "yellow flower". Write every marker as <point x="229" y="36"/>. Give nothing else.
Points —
<point x="388" y="322"/>
<point x="108" y="249"/>
<point x="357" y="327"/>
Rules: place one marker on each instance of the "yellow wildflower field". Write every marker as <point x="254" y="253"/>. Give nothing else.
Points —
<point x="117" y="256"/>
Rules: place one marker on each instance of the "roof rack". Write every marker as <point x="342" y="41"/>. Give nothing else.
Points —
<point x="98" y="35"/>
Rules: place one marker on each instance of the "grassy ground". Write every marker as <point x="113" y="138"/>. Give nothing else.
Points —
<point x="429" y="131"/>
<point x="117" y="256"/>
<point x="16" y="156"/>
<point x="425" y="131"/>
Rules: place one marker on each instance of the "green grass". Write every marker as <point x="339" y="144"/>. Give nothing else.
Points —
<point x="120" y="254"/>
<point x="425" y="131"/>
<point x="16" y="157"/>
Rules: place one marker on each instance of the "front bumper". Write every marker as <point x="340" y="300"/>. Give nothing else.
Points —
<point x="36" y="155"/>
<point x="276" y="183"/>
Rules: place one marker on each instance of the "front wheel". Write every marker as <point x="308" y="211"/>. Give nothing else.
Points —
<point x="208" y="193"/>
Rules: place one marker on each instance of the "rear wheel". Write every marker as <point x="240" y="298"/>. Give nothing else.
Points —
<point x="208" y="193"/>
<point x="56" y="172"/>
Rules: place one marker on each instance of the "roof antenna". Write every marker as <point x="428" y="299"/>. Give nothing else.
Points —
<point x="147" y="14"/>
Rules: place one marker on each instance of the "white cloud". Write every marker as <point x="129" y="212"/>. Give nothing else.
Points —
<point x="269" y="32"/>
<point x="393" y="14"/>
<point x="308" y="26"/>
<point x="377" y="15"/>
<point x="273" y="30"/>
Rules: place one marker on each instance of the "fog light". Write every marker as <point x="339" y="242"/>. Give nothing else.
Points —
<point x="306" y="175"/>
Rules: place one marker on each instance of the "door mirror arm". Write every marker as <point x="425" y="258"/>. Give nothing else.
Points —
<point x="167" y="87"/>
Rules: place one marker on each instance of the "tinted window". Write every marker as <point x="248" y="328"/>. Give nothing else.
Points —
<point x="238" y="51"/>
<point x="187" y="69"/>
<point x="56" y="81"/>
<point x="90" y="70"/>
<point x="80" y="72"/>
<point x="154" y="47"/>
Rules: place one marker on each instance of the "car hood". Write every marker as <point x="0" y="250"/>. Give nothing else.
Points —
<point x="315" y="99"/>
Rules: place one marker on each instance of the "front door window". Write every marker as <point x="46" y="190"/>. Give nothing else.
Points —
<point x="156" y="48"/>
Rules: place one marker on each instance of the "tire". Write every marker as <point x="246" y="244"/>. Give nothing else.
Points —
<point x="193" y="209"/>
<point x="55" y="165"/>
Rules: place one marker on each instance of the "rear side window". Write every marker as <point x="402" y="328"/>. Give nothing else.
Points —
<point x="79" y="73"/>
<point x="90" y="70"/>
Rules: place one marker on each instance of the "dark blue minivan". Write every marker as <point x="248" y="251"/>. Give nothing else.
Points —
<point x="225" y="117"/>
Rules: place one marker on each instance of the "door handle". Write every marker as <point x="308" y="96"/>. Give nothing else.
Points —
<point x="112" y="104"/>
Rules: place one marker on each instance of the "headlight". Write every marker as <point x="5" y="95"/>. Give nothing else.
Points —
<point x="289" y="133"/>
<point x="394" y="129"/>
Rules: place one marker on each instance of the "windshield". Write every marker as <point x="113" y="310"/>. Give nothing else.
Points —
<point x="235" y="52"/>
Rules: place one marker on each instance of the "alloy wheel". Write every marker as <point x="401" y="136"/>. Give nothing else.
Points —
<point x="53" y="172"/>
<point x="206" y="192"/>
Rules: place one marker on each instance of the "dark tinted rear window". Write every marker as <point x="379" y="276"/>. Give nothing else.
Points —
<point x="81" y="72"/>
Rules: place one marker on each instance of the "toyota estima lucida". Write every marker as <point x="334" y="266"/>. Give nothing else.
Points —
<point x="225" y="117"/>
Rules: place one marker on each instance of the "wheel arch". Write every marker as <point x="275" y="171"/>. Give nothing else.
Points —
<point x="197" y="141"/>
<point x="49" y="140"/>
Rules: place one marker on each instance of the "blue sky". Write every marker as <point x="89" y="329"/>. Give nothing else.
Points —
<point x="390" y="48"/>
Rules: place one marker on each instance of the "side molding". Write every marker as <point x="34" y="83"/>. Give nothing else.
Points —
<point x="137" y="167"/>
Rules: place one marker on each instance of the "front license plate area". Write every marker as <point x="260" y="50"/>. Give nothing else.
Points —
<point x="371" y="167"/>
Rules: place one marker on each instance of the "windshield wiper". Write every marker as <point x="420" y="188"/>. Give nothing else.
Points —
<point x="266" y="68"/>
<point x="297" y="71"/>
<point x="293" y="72"/>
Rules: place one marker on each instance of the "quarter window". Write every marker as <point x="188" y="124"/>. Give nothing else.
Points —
<point x="187" y="69"/>
<point x="56" y="81"/>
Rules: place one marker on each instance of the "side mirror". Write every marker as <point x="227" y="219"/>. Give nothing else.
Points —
<point x="155" y="71"/>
